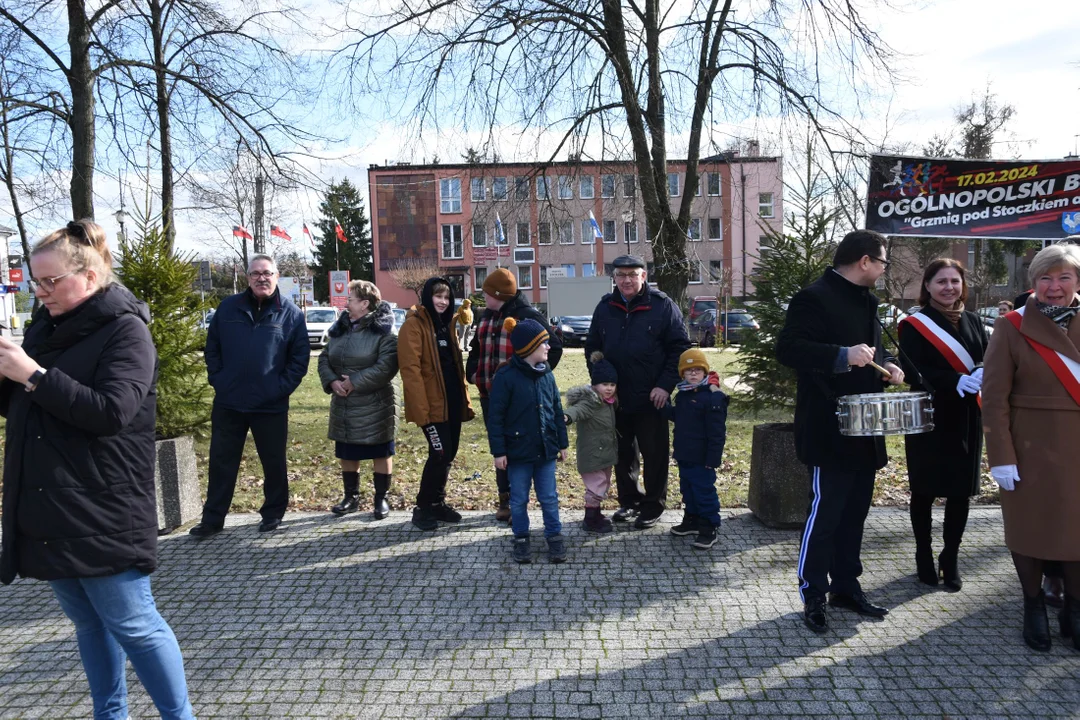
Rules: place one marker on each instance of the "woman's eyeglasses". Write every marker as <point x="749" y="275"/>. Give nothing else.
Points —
<point x="48" y="284"/>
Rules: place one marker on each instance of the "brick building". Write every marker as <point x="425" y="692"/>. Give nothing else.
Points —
<point x="449" y="215"/>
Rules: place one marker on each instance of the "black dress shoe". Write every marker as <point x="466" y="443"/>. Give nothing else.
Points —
<point x="624" y="514"/>
<point x="424" y="518"/>
<point x="202" y="530"/>
<point x="647" y="520"/>
<point x="857" y="601"/>
<point x="270" y="525"/>
<point x="1036" y="624"/>
<point x="815" y="615"/>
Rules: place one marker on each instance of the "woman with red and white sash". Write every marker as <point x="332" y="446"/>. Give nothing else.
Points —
<point x="943" y="346"/>
<point x="1031" y="416"/>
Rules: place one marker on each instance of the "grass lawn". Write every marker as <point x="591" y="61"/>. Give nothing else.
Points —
<point x="315" y="480"/>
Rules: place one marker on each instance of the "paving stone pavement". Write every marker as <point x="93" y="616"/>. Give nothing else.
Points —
<point x="352" y="618"/>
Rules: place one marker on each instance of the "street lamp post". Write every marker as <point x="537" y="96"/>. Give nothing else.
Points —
<point x="8" y="299"/>
<point x="628" y="218"/>
<point x="121" y="216"/>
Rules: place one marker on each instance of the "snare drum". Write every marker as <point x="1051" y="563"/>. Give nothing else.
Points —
<point x="901" y="413"/>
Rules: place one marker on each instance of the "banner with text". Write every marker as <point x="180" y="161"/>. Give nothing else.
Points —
<point x="927" y="197"/>
<point x="339" y="288"/>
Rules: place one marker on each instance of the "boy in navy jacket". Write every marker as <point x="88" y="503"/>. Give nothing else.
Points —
<point x="699" y="412"/>
<point x="527" y="435"/>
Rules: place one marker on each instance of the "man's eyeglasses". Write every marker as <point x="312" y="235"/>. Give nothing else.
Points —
<point x="884" y="263"/>
<point x="625" y="276"/>
<point x="267" y="274"/>
<point x="48" y="284"/>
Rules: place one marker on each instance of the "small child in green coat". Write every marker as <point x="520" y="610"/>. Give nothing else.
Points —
<point x="592" y="407"/>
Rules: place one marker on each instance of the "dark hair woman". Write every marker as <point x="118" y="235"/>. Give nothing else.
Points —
<point x="79" y="504"/>
<point x="943" y="346"/>
<point x="356" y="368"/>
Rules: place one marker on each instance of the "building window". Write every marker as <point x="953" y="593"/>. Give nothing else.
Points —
<point x="477" y="189"/>
<point x="695" y="273"/>
<point x="566" y="232"/>
<point x="481" y="276"/>
<point x="714" y="184"/>
<point x="585" y="187"/>
<point x="566" y="187"/>
<point x="588" y="235"/>
<point x="452" y="246"/>
<point x="543" y="188"/>
<point x="498" y="189"/>
<point x="588" y="269"/>
<point x="629" y="232"/>
<point x="716" y="271"/>
<point x="673" y="184"/>
<point x="543" y="275"/>
<point x="765" y="205"/>
<point x="715" y="231"/>
<point x="521" y="188"/>
<point x="479" y="236"/>
<point x="629" y="186"/>
<point x="569" y="268"/>
<point x="450" y="195"/>
<point x="523" y="233"/>
<point x="543" y="233"/>
<point x="524" y="277"/>
<point x="609" y="231"/>
<point x="607" y="186"/>
<point x="609" y="269"/>
<point x="694" y="231"/>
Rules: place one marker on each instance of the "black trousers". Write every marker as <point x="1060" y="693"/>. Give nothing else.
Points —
<point x="502" y="482"/>
<point x="228" y="433"/>
<point x="442" y="439"/>
<point x="832" y="537"/>
<point x="647" y="432"/>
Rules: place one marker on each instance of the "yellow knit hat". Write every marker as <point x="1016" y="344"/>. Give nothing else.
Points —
<point x="693" y="358"/>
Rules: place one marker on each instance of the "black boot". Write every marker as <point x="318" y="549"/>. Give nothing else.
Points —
<point x="382" y="485"/>
<point x="924" y="566"/>
<point x="351" y="502"/>
<point x="1069" y="619"/>
<point x="920" y="528"/>
<point x="950" y="573"/>
<point x="1036" y="624"/>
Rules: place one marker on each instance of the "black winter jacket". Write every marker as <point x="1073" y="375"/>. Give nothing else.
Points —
<point x="643" y="339"/>
<point x="79" y="468"/>
<point x="829" y="314"/>
<point x="700" y="417"/>
<point x="948" y="461"/>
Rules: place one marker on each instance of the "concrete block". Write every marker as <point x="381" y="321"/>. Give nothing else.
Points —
<point x="779" y="484"/>
<point x="176" y="480"/>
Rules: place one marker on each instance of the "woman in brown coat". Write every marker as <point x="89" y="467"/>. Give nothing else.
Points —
<point x="436" y="398"/>
<point x="1031" y="419"/>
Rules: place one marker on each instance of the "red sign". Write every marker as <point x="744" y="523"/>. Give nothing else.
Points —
<point x="16" y="275"/>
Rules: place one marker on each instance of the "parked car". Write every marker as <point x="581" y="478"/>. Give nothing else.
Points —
<point x="701" y="304"/>
<point x="890" y="314"/>
<point x="399" y="318"/>
<point x="705" y="331"/>
<point x="319" y="320"/>
<point x="572" y="330"/>
<point x="989" y="315"/>
<point x="205" y="323"/>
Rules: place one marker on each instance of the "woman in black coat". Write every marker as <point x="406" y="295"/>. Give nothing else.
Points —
<point x="943" y="346"/>
<point x="79" y="505"/>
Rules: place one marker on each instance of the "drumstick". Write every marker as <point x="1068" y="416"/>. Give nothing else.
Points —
<point x="880" y="369"/>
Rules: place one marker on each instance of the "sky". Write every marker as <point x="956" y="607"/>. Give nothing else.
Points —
<point x="952" y="50"/>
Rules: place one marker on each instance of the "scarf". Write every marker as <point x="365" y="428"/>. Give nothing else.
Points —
<point x="683" y="385"/>
<point x="1060" y="314"/>
<point x="951" y="314"/>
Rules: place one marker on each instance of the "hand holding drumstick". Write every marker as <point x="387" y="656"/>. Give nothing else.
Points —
<point x="862" y="355"/>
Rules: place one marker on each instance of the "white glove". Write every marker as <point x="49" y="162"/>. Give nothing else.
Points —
<point x="1005" y="476"/>
<point x="968" y="384"/>
<point x="978" y="374"/>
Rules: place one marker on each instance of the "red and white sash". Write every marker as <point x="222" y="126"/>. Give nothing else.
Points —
<point x="1065" y="368"/>
<point x="955" y="353"/>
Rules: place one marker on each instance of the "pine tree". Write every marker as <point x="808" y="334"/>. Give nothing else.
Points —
<point x="343" y="204"/>
<point x="163" y="279"/>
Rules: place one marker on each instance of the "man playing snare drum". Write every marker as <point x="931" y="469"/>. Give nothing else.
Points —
<point x="831" y="336"/>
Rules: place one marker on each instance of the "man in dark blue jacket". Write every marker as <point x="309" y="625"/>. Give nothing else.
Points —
<point x="641" y="332"/>
<point x="257" y="354"/>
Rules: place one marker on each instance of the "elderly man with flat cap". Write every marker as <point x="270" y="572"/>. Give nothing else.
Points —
<point x="490" y="348"/>
<point x="640" y="331"/>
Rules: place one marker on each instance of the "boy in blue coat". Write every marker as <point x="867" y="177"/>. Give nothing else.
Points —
<point x="527" y="434"/>
<point x="699" y="412"/>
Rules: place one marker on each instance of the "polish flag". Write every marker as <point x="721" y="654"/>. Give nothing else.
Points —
<point x="340" y="233"/>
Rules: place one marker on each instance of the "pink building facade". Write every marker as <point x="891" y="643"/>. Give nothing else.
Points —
<point x="451" y="215"/>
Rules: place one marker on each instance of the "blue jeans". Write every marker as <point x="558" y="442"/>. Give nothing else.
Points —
<point x="115" y="617"/>
<point x="698" y="486"/>
<point x="523" y="476"/>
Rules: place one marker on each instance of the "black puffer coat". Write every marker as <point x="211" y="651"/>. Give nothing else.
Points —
<point x="79" y="468"/>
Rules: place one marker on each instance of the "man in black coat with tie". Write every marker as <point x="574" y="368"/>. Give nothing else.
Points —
<point x="830" y="337"/>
